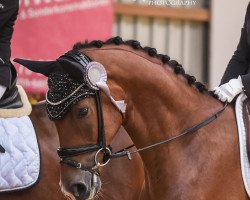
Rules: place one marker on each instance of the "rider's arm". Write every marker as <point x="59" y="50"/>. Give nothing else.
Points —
<point x="239" y="63"/>
<point x="8" y="15"/>
<point x="236" y="77"/>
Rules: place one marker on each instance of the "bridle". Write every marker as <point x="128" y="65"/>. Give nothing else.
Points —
<point x="102" y="148"/>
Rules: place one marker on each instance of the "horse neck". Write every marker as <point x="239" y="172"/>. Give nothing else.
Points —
<point x="160" y="104"/>
<point x="154" y="93"/>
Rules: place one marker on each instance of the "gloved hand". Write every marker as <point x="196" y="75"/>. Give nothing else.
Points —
<point x="228" y="91"/>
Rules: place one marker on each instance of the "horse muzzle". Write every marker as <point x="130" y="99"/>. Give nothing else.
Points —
<point x="86" y="188"/>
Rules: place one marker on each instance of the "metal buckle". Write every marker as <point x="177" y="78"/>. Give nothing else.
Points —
<point x="129" y="155"/>
<point x="96" y="155"/>
<point x="79" y="166"/>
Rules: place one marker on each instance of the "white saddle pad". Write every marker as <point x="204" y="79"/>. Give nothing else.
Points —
<point x="245" y="166"/>
<point x="20" y="164"/>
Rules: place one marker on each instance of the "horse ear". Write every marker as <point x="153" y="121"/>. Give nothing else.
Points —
<point x="74" y="69"/>
<point x="42" y="67"/>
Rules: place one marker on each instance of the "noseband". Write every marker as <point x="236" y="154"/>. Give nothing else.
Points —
<point x="101" y="148"/>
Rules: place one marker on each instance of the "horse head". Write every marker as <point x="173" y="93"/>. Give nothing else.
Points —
<point x="74" y="101"/>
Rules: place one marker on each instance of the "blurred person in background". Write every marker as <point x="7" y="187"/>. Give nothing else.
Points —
<point x="8" y="90"/>
<point x="237" y="75"/>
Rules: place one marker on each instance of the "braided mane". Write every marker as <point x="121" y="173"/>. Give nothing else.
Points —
<point x="165" y="59"/>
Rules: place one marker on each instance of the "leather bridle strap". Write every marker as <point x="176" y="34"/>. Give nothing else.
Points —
<point x="77" y="165"/>
<point x="101" y="131"/>
<point x="190" y="130"/>
<point x="101" y="146"/>
<point x="64" y="153"/>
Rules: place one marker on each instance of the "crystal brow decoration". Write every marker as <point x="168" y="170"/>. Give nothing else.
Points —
<point x="63" y="100"/>
<point x="59" y="114"/>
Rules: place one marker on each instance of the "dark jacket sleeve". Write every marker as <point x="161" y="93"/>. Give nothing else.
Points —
<point x="239" y="63"/>
<point x="8" y="15"/>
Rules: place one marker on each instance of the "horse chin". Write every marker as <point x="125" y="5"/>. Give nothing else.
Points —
<point x="68" y="196"/>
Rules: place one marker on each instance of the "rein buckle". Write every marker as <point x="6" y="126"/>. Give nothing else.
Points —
<point x="104" y="150"/>
<point x="79" y="166"/>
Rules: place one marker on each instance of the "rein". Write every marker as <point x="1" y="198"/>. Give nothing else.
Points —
<point x="193" y="129"/>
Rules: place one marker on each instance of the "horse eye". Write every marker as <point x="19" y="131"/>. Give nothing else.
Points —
<point x="82" y="112"/>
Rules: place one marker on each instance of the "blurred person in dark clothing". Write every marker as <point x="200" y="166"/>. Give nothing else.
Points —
<point x="8" y="75"/>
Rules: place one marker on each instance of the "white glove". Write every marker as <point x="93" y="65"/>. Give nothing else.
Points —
<point x="228" y="91"/>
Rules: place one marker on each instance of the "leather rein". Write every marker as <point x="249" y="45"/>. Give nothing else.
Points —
<point x="104" y="150"/>
<point x="191" y="130"/>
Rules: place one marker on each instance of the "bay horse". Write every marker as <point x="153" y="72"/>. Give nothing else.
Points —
<point x="161" y="101"/>
<point x="118" y="177"/>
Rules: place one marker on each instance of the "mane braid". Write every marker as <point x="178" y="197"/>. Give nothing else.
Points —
<point x="152" y="52"/>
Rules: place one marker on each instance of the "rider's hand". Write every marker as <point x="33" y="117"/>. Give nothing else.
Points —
<point x="228" y="91"/>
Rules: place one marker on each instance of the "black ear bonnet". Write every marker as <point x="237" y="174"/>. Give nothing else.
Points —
<point x="66" y="81"/>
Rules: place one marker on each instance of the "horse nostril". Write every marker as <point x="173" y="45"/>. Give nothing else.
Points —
<point x="80" y="190"/>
